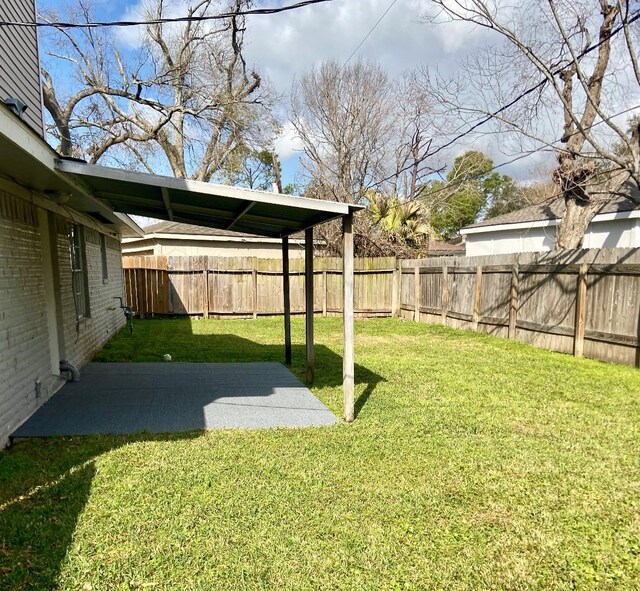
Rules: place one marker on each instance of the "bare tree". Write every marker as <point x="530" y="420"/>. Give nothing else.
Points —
<point x="414" y="126"/>
<point x="187" y="91"/>
<point x="342" y="115"/>
<point x="567" y="62"/>
<point x="366" y="138"/>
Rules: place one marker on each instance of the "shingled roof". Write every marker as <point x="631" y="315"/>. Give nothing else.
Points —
<point x="553" y="210"/>
<point x="179" y="228"/>
<point x="166" y="227"/>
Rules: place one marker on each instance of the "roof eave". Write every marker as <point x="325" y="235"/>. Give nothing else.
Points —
<point x="601" y="217"/>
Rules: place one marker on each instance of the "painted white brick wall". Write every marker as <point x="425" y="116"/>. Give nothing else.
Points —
<point x="24" y="344"/>
<point x="24" y="339"/>
<point x="85" y="338"/>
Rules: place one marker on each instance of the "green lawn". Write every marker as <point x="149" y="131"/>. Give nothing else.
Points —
<point x="474" y="463"/>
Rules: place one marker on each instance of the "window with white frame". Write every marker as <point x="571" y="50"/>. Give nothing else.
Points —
<point x="79" y="272"/>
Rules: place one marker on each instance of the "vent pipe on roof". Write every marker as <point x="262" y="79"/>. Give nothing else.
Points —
<point x="16" y="105"/>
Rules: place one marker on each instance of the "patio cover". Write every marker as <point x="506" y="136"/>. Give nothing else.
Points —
<point x="204" y="204"/>
<point x="254" y="212"/>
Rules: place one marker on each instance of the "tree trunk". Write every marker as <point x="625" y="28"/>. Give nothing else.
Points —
<point x="574" y="223"/>
<point x="583" y="197"/>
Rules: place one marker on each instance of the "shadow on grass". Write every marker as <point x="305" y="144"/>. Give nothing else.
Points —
<point x="46" y="483"/>
<point x="44" y="487"/>
<point x="152" y="338"/>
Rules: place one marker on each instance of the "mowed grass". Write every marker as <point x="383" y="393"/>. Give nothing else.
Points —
<point x="474" y="463"/>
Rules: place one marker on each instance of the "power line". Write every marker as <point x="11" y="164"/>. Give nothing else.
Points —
<point x="370" y="32"/>
<point x="160" y="21"/>
<point x="506" y="163"/>
<point x="518" y="98"/>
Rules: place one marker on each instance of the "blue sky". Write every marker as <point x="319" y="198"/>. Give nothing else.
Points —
<point x="285" y="45"/>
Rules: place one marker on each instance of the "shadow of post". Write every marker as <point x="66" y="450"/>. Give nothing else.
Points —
<point x="230" y="348"/>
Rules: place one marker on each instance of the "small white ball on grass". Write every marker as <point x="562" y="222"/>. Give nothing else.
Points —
<point x="167" y="357"/>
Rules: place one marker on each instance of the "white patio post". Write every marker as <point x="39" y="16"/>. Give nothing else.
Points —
<point x="308" y="291"/>
<point x="287" y="300"/>
<point x="347" y="318"/>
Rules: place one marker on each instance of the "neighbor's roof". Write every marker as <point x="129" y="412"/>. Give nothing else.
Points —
<point x="179" y="229"/>
<point x="204" y="204"/>
<point x="166" y="227"/>
<point x="435" y="248"/>
<point x="552" y="211"/>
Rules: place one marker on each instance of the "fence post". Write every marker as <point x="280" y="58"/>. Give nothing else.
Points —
<point x="416" y="294"/>
<point x="205" y="287"/>
<point x="477" y="298"/>
<point x="581" y="311"/>
<point x="254" y="282"/>
<point x="141" y="292"/>
<point x="396" y="284"/>
<point x="445" y="293"/>
<point x="324" y="292"/>
<point x="513" y="304"/>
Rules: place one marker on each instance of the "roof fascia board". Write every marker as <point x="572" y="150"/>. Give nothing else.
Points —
<point x="27" y="140"/>
<point x="601" y="217"/>
<point x="93" y="170"/>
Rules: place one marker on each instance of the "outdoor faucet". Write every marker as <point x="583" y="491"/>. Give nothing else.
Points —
<point x="129" y="312"/>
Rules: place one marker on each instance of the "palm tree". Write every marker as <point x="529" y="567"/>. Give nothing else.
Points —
<point x="401" y="221"/>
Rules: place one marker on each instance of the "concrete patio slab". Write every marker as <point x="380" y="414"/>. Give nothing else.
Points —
<point x="122" y="398"/>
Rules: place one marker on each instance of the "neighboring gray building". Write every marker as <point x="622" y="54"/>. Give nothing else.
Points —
<point x="533" y="229"/>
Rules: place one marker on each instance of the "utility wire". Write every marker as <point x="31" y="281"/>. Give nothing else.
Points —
<point x="370" y="32"/>
<point x="159" y="21"/>
<point x="518" y="98"/>
<point x="455" y="184"/>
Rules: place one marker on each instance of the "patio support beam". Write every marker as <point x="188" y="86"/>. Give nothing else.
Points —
<point x="348" y="366"/>
<point x="167" y="202"/>
<point x="308" y="293"/>
<point x="286" y="292"/>
<point x="242" y="212"/>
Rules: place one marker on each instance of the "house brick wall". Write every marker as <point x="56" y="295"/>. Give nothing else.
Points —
<point x="84" y="338"/>
<point x="23" y="329"/>
<point x="24" y="337"/>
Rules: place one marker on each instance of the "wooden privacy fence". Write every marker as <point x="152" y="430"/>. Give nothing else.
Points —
<point x="250" y="287"/>
<point x="579" y="302"/>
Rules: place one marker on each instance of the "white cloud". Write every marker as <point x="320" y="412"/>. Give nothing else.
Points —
<point x="288" y="143"/>
<point x="285" y="45"/>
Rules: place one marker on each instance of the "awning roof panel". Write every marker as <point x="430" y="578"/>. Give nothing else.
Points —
<point x="204" y="204"/>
